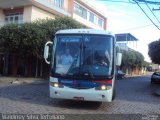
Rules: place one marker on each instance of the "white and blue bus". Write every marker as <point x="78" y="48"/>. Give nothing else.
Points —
<point x="83" y="65"/>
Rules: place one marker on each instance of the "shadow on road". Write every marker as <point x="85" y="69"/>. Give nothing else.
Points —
<point x="76" y="104"/>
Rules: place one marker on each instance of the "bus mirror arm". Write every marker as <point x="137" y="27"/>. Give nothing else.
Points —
<point x="46" y="51"/>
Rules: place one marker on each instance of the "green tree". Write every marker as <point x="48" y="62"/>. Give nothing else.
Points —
<point x="132" y="58"/>
<point x="139" y="59"/>
<point x="154" y="48"/>
<point x="9" y="37"/>
<point x="27" y="40"/>
<point x="146" y="64"/>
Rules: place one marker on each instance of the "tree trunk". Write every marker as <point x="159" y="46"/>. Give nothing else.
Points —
<point x="26" y="66"/>
<point x="41" y="72"/>
<point x="30" y="66"/>
<point x="14" y="65"/>
<point x="36" y="67"/>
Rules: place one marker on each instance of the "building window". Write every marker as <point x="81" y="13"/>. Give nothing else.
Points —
<point x="59" y="3"/>
<point x="100" y="22"/>
<point x="80" y="11"/>
<point x="14" y="18"/>
<point x="91" y="17"/>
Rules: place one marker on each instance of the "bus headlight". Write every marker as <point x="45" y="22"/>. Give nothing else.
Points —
<point x="103" y="87"/>
<point x="55" y="84"/>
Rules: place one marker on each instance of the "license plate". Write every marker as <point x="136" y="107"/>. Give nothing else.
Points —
<point x="78" y="98"/>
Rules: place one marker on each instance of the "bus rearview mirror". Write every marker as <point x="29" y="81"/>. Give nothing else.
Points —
<point x="46" y="51"/>
<point x="119" y="59"/>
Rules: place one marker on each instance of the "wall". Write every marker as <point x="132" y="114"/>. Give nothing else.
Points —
<point x="39" y="13"/>
<point x="32" y="13"/>
<point x="1" y="17"/>
<point x="70" y="6"/>
<point x="86" y="22"/>
<point x="97" y="14"/>
<point x="66" y="2"/>
<point x="27" y="13"/>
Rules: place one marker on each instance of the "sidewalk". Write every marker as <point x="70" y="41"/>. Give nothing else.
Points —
<point x="22" y="80"/>
<point x="135" y="75"/>
<point x="29" y="80"/>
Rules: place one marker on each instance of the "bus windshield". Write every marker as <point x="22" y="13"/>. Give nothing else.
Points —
<point x="83" y="56"/>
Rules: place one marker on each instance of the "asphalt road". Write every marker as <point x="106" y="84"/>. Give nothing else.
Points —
<point x="134" y="96"/>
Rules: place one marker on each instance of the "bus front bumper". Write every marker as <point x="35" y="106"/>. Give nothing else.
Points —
<point x="81" y="94"/>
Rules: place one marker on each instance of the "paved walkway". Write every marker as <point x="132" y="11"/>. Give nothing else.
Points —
<point x="135" y="75"/>
<point x="22" y="80"/>
<point x="28" y="80"/>
<point x="134" y="96"/>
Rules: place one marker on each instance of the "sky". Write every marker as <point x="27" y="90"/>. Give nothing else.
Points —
<point x="129" y="18"/>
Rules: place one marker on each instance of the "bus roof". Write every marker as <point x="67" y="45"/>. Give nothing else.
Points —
<point x="84" y="31"/>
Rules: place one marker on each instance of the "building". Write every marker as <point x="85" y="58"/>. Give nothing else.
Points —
<point x="20" y="11"/>
<point x="126" y="41"/>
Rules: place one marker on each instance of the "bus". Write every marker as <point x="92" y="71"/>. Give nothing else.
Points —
<point x="83" y="65"/>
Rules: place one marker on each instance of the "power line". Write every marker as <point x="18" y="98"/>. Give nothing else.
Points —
<point x="152" y="12"/>
<point x="146" y="15"/>
<point x="138" y="27"/>
<point x="147" y="1"/>
<point x="118" y="1"/>
<point x="137" y="2"/>
<point x="130" y="1"/>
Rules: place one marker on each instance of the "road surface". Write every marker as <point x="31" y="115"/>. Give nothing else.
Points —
<point x="134" y="96"/>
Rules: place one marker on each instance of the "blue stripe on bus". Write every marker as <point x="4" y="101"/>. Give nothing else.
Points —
<point x="81" y="83"/>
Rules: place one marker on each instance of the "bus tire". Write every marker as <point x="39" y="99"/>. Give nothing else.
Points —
<point x="114" y="94"/>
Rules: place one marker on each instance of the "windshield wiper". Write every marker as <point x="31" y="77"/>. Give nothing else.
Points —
<point x="89" y="73"/>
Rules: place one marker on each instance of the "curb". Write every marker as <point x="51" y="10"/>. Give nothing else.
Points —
<point x="128" y="76"/>
<point x="36" y="82"/>
<point x="14" y="80"/>
<point x="27" y="82"/>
